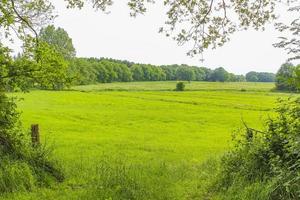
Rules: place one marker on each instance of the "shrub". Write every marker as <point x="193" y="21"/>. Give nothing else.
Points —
<point x="267" y="162"/>
<point x="22" y="166"/>
<point x="180" y="86"/>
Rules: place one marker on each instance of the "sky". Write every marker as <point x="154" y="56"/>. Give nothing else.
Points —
<point x="117" y="35"/>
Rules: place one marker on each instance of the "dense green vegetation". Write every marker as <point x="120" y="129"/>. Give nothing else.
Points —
<point x="23" y="167"/>
<point x="92" y="70"/>
<point x="83" y="71"/>
<point x="260" y="77"/>
<point x="288" y="78"/>
<point x="58" y="67"/>
<point x="265" y="164"/>
<point x="180" y="86"/>
<point x="145" y="143"/>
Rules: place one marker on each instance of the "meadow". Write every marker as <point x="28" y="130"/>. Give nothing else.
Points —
<point x="141" y="140"/>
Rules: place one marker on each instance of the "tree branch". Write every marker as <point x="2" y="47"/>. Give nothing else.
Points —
<point x="25" y="21"/>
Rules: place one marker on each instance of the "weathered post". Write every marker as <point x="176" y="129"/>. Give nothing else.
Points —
<point x="35" y="135"/>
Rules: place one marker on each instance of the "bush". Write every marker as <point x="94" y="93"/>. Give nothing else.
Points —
<point x="180" y="86"/>
<point x="22" y="167"/>
<point x="265" y="163"/>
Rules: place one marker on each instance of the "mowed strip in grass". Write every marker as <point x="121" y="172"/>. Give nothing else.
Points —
<point x="143" y="128"/>
<point x="171" y="85"/>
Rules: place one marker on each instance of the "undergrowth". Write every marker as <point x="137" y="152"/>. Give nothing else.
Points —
<point x="264" y="164"/>
<point x="22" y="166"/>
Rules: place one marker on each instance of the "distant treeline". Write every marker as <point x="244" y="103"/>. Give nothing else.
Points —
<point x="93" y="70"/>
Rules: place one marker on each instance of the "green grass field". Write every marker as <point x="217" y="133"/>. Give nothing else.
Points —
<point x="170" y="86"/>
<point x="140" y="140"/>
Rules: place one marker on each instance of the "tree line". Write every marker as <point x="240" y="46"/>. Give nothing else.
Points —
<point x="103" y="70"/>
<point x="65" y="69"/>
<point x="260" y="77"/>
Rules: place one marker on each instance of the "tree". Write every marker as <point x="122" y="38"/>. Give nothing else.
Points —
<point x="219" y="74"/>
<point x="199" y="74"/>
<point x="17" y="153"/>
<point x="285" y="77"/>
<point x="240" y="78"/>
<point x="184" y="73"/>
<point x="170" y="72"/>
<point x="137" y="72"/>
<point x="231" y="77"/>
<point x="266" y="77"/>
<point x="102" y="73"/>
<point x="81" y="72"/>
<point x="51" y="70"/>
<point x="24" y="18"/>
<point x="290" y="43"/>
<point x="124" y="74"/>
<point x="203" y="24"/>
<point x="207" y="72"/>
<point x="59" y="39"/>
<point x="252" y="77"/>
<point x="260" y="77"/>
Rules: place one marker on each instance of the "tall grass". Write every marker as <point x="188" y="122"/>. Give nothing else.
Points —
<point x="22" y="166"/>
<point x="156" y="143"/>
<point x="265" y="164"/>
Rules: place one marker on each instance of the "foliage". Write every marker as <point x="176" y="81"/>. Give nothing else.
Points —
<point x="51" y="70"/>
<point x="23" y="18"/>
<point x="137" y="73"/>
<point x="260" y="77"/>
<point x="219" y="74"/>
<point x="236" y="78"/>
<point x="82" y="71"/>
<point x="268" y="158"/>
<point x="185" y="73"/>
<point x="287" y="77"/>
<point x="266" y="77"/>
<point x="203" y="24"/>
<point x="180" y="86"/>
<point x="23" y="73"/>
<point x="291" y="40"/>
<point x="22" y="166"/>
<point x="59" y="39"/>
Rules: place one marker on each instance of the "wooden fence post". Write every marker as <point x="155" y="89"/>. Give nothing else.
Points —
<point x="35" y="134"/>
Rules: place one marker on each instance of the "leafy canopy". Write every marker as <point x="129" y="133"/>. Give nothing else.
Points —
<point x="200" y="23"/>
<point x="59" y="39"/>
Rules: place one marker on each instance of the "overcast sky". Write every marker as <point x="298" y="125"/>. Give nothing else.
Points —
<point x="116" y="35"/>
